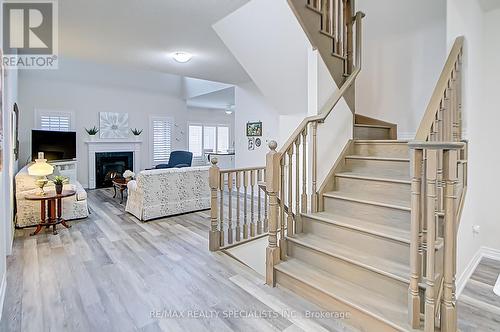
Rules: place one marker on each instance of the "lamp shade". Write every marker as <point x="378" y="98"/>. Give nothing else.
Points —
<point x="40" y="168"/>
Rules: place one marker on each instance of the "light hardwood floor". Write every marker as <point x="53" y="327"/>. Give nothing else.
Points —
<point x="110" y="272"/>
<point x="478" y="307"/>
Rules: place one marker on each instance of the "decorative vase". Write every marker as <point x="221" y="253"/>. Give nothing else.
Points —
<point x="137" y="137"/>
<point x="91" y="138"/>
<point x="59" y="188"/>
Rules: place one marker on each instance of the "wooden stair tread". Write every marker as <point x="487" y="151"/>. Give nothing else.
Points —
<point x="377" y="264"/>
<point x="399" y="203"/>
<point x="360" y="157"/>
<point x="383" y="228"/>
<point x="379" y="176"/>
<point x="372" y="126"/>
<point x="380" y="141"/>
<point x="363" y="299"/>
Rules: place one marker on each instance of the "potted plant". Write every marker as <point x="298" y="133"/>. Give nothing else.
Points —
<point x="59" y="182"/>
<point x="137" y="133"/>
<point x="128" y="175"/>
<point x="92" y="132"/>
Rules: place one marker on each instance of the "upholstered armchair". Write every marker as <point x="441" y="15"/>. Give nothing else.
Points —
<point x="178" y="159"/>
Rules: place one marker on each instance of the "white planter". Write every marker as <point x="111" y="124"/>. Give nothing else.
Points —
<point x="137" y="138"/>
<point x="92" y="138"/>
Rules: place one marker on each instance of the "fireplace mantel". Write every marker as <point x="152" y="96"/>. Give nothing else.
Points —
<point x="112" y="146"/>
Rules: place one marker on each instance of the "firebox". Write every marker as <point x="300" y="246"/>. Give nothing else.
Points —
<point x="111" y="164"/>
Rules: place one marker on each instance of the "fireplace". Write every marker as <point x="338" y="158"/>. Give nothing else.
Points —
<point x="110" y="164"/>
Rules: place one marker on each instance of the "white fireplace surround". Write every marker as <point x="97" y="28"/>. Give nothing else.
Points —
<point x="112" y="146"/>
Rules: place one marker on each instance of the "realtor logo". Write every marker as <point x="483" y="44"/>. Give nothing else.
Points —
<point x="30" y="34"/>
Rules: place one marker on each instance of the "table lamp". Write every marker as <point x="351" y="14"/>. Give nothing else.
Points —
<point x="41" y="169"/>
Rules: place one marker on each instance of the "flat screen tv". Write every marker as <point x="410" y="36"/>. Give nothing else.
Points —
<point x="56" y="145"/>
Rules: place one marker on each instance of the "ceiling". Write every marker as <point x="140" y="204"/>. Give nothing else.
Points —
<point x="488" y="5"/>
<point x="143" y="33"/>
<point x="220" y="99"/>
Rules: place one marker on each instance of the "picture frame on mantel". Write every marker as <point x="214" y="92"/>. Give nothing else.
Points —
<point x="254" y="129"/>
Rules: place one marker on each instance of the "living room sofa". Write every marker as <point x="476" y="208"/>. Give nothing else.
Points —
<point x="164" y="192"/>
<point x="28" y="212"/>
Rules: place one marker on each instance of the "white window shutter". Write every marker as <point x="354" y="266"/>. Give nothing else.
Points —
<point x="162" y="139"/>
<point x="55" y="122"/>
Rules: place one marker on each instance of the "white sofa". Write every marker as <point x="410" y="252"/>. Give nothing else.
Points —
<point x="28" y="212"/>
<point x="164" y="192"/>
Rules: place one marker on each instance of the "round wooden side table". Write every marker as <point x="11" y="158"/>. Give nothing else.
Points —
<point x="121" y="184"/>
<point x="50" y="209"/>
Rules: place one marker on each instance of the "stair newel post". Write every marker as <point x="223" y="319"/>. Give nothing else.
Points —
<point x="430" y="292"/>
<point x="272" y="187"/>
<point x="415" y="267"/>
<point x="238" y="211"/>
<point x="314" y="194"/>
<point x="448" y="306"/>
<point x="289" y="219"/>
<point x="304" y="170"/>
<point x="230" y="208"/>
<point x="298" y="221"/>
<point x="214" y="181"/>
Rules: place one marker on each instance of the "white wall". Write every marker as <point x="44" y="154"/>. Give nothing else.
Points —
<point x="465" y="18"/>
<point x="9" y="97"/>
<point x="273" y="52"/>
<point x="87" y="89"/>
<point x="251" y="106"/>
<point x="404" y="51"/>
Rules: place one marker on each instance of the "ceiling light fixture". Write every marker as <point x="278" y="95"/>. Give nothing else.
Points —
<point x="182" y="57"/>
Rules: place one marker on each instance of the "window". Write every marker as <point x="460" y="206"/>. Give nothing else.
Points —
<point x="208" y="137"/>
<point x="161" y="131"/>
<point x="54" y="120"/>
<point x="222" y="138"/>
<point x="196" y="140"/>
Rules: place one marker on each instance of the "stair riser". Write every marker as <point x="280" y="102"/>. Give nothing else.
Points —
<point x="388" y="150"/>
<point x="371" y="133"/>
<point x="388" y="189"/>
<point x="369" y="167"/>
<point x="357" y="318"/>
<point x="392" y="288"/>
<point x="375" y="213"/>
<point x="375" y="245"/>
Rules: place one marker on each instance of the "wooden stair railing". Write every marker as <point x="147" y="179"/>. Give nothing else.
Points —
<point x="287" y="172"/>
<point x="238" y="206"/>
<point x="439" y="183"/>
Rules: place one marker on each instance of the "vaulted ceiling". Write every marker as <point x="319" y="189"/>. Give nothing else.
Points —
<point x="143" y="33"/>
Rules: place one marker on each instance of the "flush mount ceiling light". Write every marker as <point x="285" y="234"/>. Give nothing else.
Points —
<point x="182" y="57"/>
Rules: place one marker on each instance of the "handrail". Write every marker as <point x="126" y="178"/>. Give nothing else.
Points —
<point x="336" y="97"/>
<point x="440" y="89"/>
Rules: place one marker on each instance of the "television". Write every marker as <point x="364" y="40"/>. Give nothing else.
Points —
<point x="56" y="145"/>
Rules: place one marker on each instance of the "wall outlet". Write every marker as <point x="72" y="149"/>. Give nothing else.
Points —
<point x="476" y="229"/>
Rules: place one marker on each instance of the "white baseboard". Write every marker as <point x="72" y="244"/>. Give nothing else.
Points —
<point x="3" y="290"/>
<point x="482" y="252"/>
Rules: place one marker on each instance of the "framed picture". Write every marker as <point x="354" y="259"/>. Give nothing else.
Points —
<point x="251" y="144"/>
<point x="113" y="125"/>
<point x="254" y="128"/>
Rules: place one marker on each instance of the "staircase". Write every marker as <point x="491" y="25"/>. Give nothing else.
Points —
<point x="354" y="254"/>
<point x="377" y="239"/>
